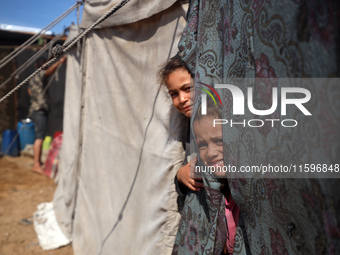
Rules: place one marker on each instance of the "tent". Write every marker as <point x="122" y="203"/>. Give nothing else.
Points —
<point x="115" y="190"/>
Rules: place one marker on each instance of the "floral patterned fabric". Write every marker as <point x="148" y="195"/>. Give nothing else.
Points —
<point x="274" y="39"/>
<point x="202" y="229"/>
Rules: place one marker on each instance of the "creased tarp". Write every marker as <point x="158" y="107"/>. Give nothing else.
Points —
<point x="274" y="39"/>
<point x="67" y="177"/>
<point x="115" y="192"/>
<point x="133" y="11"/>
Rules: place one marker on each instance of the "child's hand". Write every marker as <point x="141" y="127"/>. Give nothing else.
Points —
<point x="183" y="176"/>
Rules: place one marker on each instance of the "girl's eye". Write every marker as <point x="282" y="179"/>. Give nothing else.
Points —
<point x="219" y="142"/>
<point x="202" y="146"/>
<point x="173" y="94"/>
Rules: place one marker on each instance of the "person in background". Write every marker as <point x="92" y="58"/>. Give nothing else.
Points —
<point x="39" y="108"/>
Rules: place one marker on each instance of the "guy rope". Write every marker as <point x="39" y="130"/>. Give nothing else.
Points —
<point x="59" y="50"/>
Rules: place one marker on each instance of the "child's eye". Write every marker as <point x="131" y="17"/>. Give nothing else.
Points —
<point x="173" y="94"/>
<point x="219" y="142"/>
<point x="202" y="146"/>
<point x="187" y="89"/>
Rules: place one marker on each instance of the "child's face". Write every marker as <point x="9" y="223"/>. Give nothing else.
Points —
<point x="179" y="86"/>
<point x="209" y="141"/>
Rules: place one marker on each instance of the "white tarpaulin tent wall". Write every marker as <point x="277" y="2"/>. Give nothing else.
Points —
<point x="115" y="191"/>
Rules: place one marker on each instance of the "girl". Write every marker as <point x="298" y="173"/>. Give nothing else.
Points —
<point x="178" y="80"/>
<point x="222" y="220"/>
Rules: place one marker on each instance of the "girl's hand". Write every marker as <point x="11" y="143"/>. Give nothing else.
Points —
<point x="183" y="176"/>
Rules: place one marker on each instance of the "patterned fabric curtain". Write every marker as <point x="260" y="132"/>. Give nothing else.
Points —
<point x="248" y="40"/>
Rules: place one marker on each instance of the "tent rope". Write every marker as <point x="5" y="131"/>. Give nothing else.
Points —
<point x="28" y="79"/>
<point x="32" y="39"/>
<point x="101" y="19"/>
<point x="29" y="61"/>
<point x="58" y="50"/>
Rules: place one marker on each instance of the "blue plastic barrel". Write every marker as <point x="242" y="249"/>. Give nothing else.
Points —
<point x="10" y="143"/>
<point x="26" y="132"/>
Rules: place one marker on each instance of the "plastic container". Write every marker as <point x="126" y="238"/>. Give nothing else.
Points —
<point x="57" y="133"/>
<point x="26" y="132"/>
<point x="47" y="143"/>
<point x="52" y="161"/>
<point x="10" y="143"/>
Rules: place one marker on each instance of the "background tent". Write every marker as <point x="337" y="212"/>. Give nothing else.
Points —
<point x="115" y="190"/>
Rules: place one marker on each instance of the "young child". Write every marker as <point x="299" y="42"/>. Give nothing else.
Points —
<point x="178" y="80"/>
<point x="210" y="216"/>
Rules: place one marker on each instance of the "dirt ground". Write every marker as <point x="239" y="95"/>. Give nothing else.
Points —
<point x="21" y="191"/>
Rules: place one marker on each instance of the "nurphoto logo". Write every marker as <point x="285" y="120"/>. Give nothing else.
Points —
<point x="239" y="105"/>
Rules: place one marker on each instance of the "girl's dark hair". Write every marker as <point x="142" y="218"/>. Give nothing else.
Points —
<point x="212" y="110"/>
<point x="172" y="65"/>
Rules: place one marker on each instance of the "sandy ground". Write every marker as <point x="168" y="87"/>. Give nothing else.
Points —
<point x="21" y="191"/>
